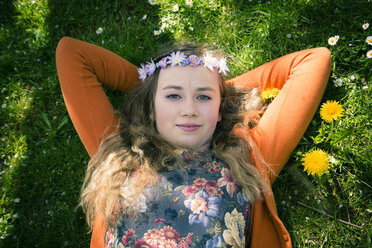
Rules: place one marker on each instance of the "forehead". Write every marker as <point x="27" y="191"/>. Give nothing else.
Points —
<point x="198" y="76"/>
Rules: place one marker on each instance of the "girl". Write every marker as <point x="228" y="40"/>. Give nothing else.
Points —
<point x="189" y="160"/>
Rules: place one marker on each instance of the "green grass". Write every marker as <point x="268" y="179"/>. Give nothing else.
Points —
<point x="42" y="160"/>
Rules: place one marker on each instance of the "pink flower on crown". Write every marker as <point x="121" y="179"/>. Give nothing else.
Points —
<point x="163" y="63"/>
<point x="223" y="67"/>
<point x="142" y="72"/>
<point x="176" y="58"/>
<point x="193" y="60"/>
<point x="210" y="62"/>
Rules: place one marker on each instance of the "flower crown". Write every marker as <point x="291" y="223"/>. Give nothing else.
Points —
<point x="179" y="58"/>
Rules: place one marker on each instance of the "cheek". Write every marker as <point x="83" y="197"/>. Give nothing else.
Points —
<point x="217" y="111"/>
<point x="212" y="113"/>
<point x="161" y="112"/>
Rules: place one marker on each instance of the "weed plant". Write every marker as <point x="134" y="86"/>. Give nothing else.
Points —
<point x="43" y="162"/>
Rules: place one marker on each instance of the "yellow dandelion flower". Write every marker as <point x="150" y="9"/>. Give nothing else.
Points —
<point x="316" y="162"/>
<point x="269" y="94"/>
<point x="331" y="110"/>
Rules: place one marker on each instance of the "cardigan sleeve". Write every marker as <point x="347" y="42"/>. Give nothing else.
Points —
<point x="302" y="77"/>
<point x="83" y="69"/>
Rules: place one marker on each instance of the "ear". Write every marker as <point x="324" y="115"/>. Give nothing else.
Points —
<point x="219" y="118"/>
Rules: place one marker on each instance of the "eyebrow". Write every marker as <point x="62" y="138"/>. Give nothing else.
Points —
<point x="180" y="88"/>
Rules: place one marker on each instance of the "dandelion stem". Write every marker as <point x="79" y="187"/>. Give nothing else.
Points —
<point x="331" y="133"/>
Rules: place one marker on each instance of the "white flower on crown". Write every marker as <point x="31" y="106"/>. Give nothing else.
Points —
<point x="179" y="58"/>
<point x="210" y="61"/>
<point x="176" y="58"/>
<point x="142" y="72"/>
<point x="222" y="66"/>
<point x="150" y="67"/>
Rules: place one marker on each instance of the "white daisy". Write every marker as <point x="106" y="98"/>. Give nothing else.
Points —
<point x="176" y="58"/>
<point x="332" y="41"/>
<point x="188" y="2"/>
<point x="157" y="32"/>
<point x="369" y="54"/>
<point x="337" y="37"/>
<point x="210" y="61"/>
<point x="369" y="40"/>
<point x="144" y="17"/>
<point x="152" y="2"/>
<point x="365" y="25"/>
<point x="99" y="30"/>
<point x="289" y="36"/>
<point x="175" y="8"/>
<point x="337" y="82"/>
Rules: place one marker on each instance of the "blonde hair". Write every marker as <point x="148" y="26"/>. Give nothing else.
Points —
<point x="137" y="148"/>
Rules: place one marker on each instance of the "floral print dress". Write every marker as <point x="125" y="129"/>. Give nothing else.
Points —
<point x="199" y="205"/>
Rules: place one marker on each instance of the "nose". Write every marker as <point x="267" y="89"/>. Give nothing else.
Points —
<point x="189" y="108"/>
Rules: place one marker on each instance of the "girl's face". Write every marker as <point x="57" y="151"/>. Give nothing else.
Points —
<point x="187" y="103"/>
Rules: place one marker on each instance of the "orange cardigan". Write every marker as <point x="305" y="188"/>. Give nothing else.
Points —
<point x="84" y="68"/>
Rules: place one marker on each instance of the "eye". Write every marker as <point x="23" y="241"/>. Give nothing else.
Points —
<point x="204" y="97"/>
<point x="173" y="96"/>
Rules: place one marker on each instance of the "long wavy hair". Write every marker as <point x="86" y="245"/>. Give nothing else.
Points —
<point x="111" y="186"/>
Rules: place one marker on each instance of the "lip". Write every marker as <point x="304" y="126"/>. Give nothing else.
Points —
<point x="188" y="127"/>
